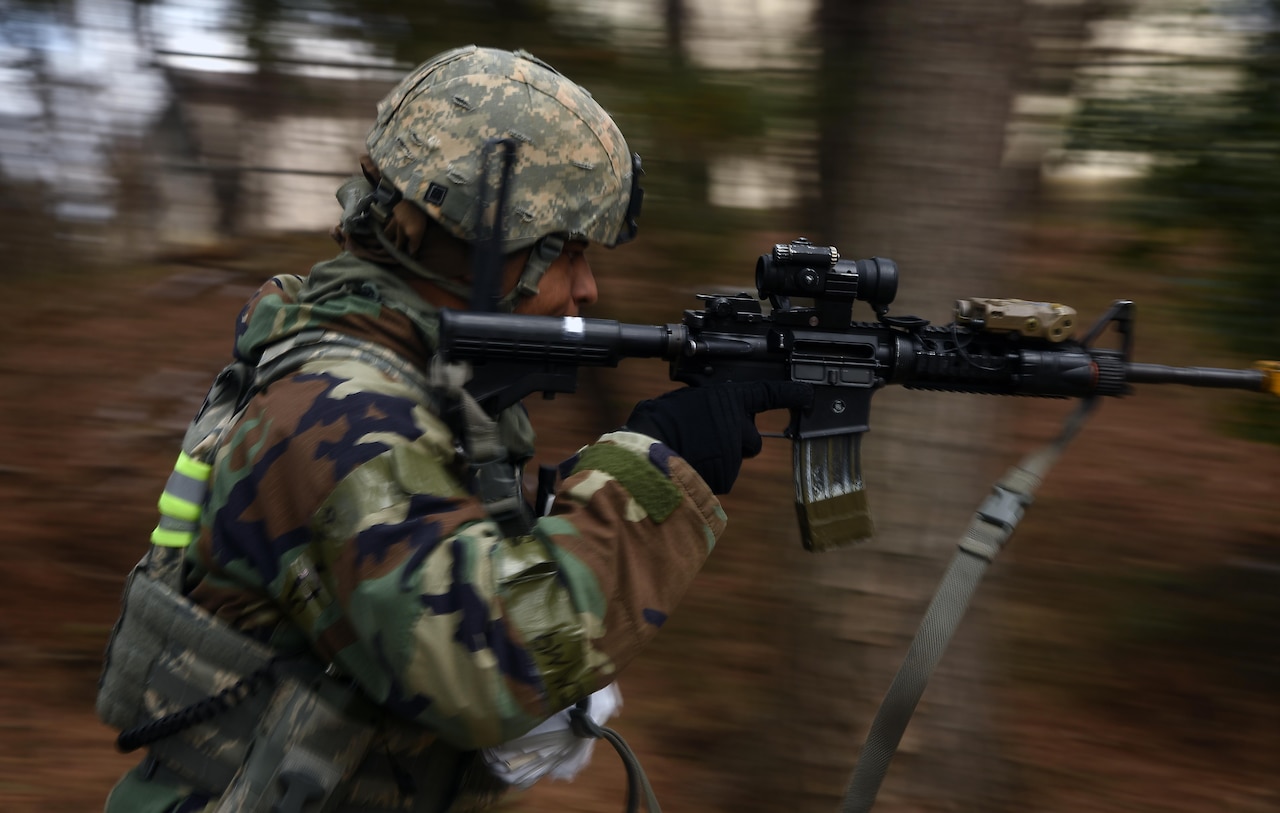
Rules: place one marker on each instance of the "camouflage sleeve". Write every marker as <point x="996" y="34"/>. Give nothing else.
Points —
<point x="342" y="498"/>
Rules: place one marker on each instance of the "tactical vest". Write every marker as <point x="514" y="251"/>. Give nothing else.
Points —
<point x="268" y="731"/>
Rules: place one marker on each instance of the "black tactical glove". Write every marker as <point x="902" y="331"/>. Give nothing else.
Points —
<point x="713" y="427"/>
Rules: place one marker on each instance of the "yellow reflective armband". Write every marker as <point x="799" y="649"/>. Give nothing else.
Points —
<point x="181" y="503"/>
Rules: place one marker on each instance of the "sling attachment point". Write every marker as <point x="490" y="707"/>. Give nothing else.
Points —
<point x="299" y="789"/>
<point x="992" y="525"/>
<point x="305" y="779"/>
<point x="496" y="480"/>
<point x="582" y="725"/>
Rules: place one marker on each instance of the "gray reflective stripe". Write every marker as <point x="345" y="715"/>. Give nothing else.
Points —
<point x="186" y="488"/>
<point x="168" y="523"/>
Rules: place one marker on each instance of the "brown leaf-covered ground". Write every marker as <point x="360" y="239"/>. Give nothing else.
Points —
<point x="1136" y="612"/>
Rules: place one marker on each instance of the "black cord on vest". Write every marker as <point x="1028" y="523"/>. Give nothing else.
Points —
<point x="199" y="712"/>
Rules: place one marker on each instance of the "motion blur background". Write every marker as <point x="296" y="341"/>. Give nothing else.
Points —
<point x="160" y="158"/>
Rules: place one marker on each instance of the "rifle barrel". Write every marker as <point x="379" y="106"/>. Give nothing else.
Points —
<point x="1254" y="380"/>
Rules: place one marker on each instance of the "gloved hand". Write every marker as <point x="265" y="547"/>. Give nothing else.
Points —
<point x="713" y="427"/>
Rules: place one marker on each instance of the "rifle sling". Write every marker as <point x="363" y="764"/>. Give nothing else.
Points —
<point x="992" y="525"/>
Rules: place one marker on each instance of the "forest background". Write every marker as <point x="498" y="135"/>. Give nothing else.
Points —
<point x="160" y="158"/>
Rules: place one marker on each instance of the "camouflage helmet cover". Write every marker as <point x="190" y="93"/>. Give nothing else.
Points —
<point x="573" y="174"/>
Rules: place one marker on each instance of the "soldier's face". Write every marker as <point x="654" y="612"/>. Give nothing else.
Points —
<point x="566" y="287"/>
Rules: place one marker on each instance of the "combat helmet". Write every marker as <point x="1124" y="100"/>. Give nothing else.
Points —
<point x="571" y="176"/>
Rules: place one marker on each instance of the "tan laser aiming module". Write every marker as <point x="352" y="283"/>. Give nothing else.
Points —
<point x="1041" y="320"/>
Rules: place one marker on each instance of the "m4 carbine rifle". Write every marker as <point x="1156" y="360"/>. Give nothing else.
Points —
<point x="993" y="346"/>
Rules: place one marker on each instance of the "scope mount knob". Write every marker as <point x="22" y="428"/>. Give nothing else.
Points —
<point x="911" y="324"/>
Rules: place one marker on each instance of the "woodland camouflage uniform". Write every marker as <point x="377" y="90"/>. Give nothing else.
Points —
<point x="339" y="519"/>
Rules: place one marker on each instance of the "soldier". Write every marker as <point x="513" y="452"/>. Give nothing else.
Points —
<point x="364" y="601"/>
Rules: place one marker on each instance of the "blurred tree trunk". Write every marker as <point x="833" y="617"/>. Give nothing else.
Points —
<point x="674" y="15"/>
<point x="914" y="98"/>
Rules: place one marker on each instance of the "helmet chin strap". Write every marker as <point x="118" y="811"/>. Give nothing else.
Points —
<point x="439" y="280"/>
<point x="366" y="210"/>
<point x="544" y="253"/>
